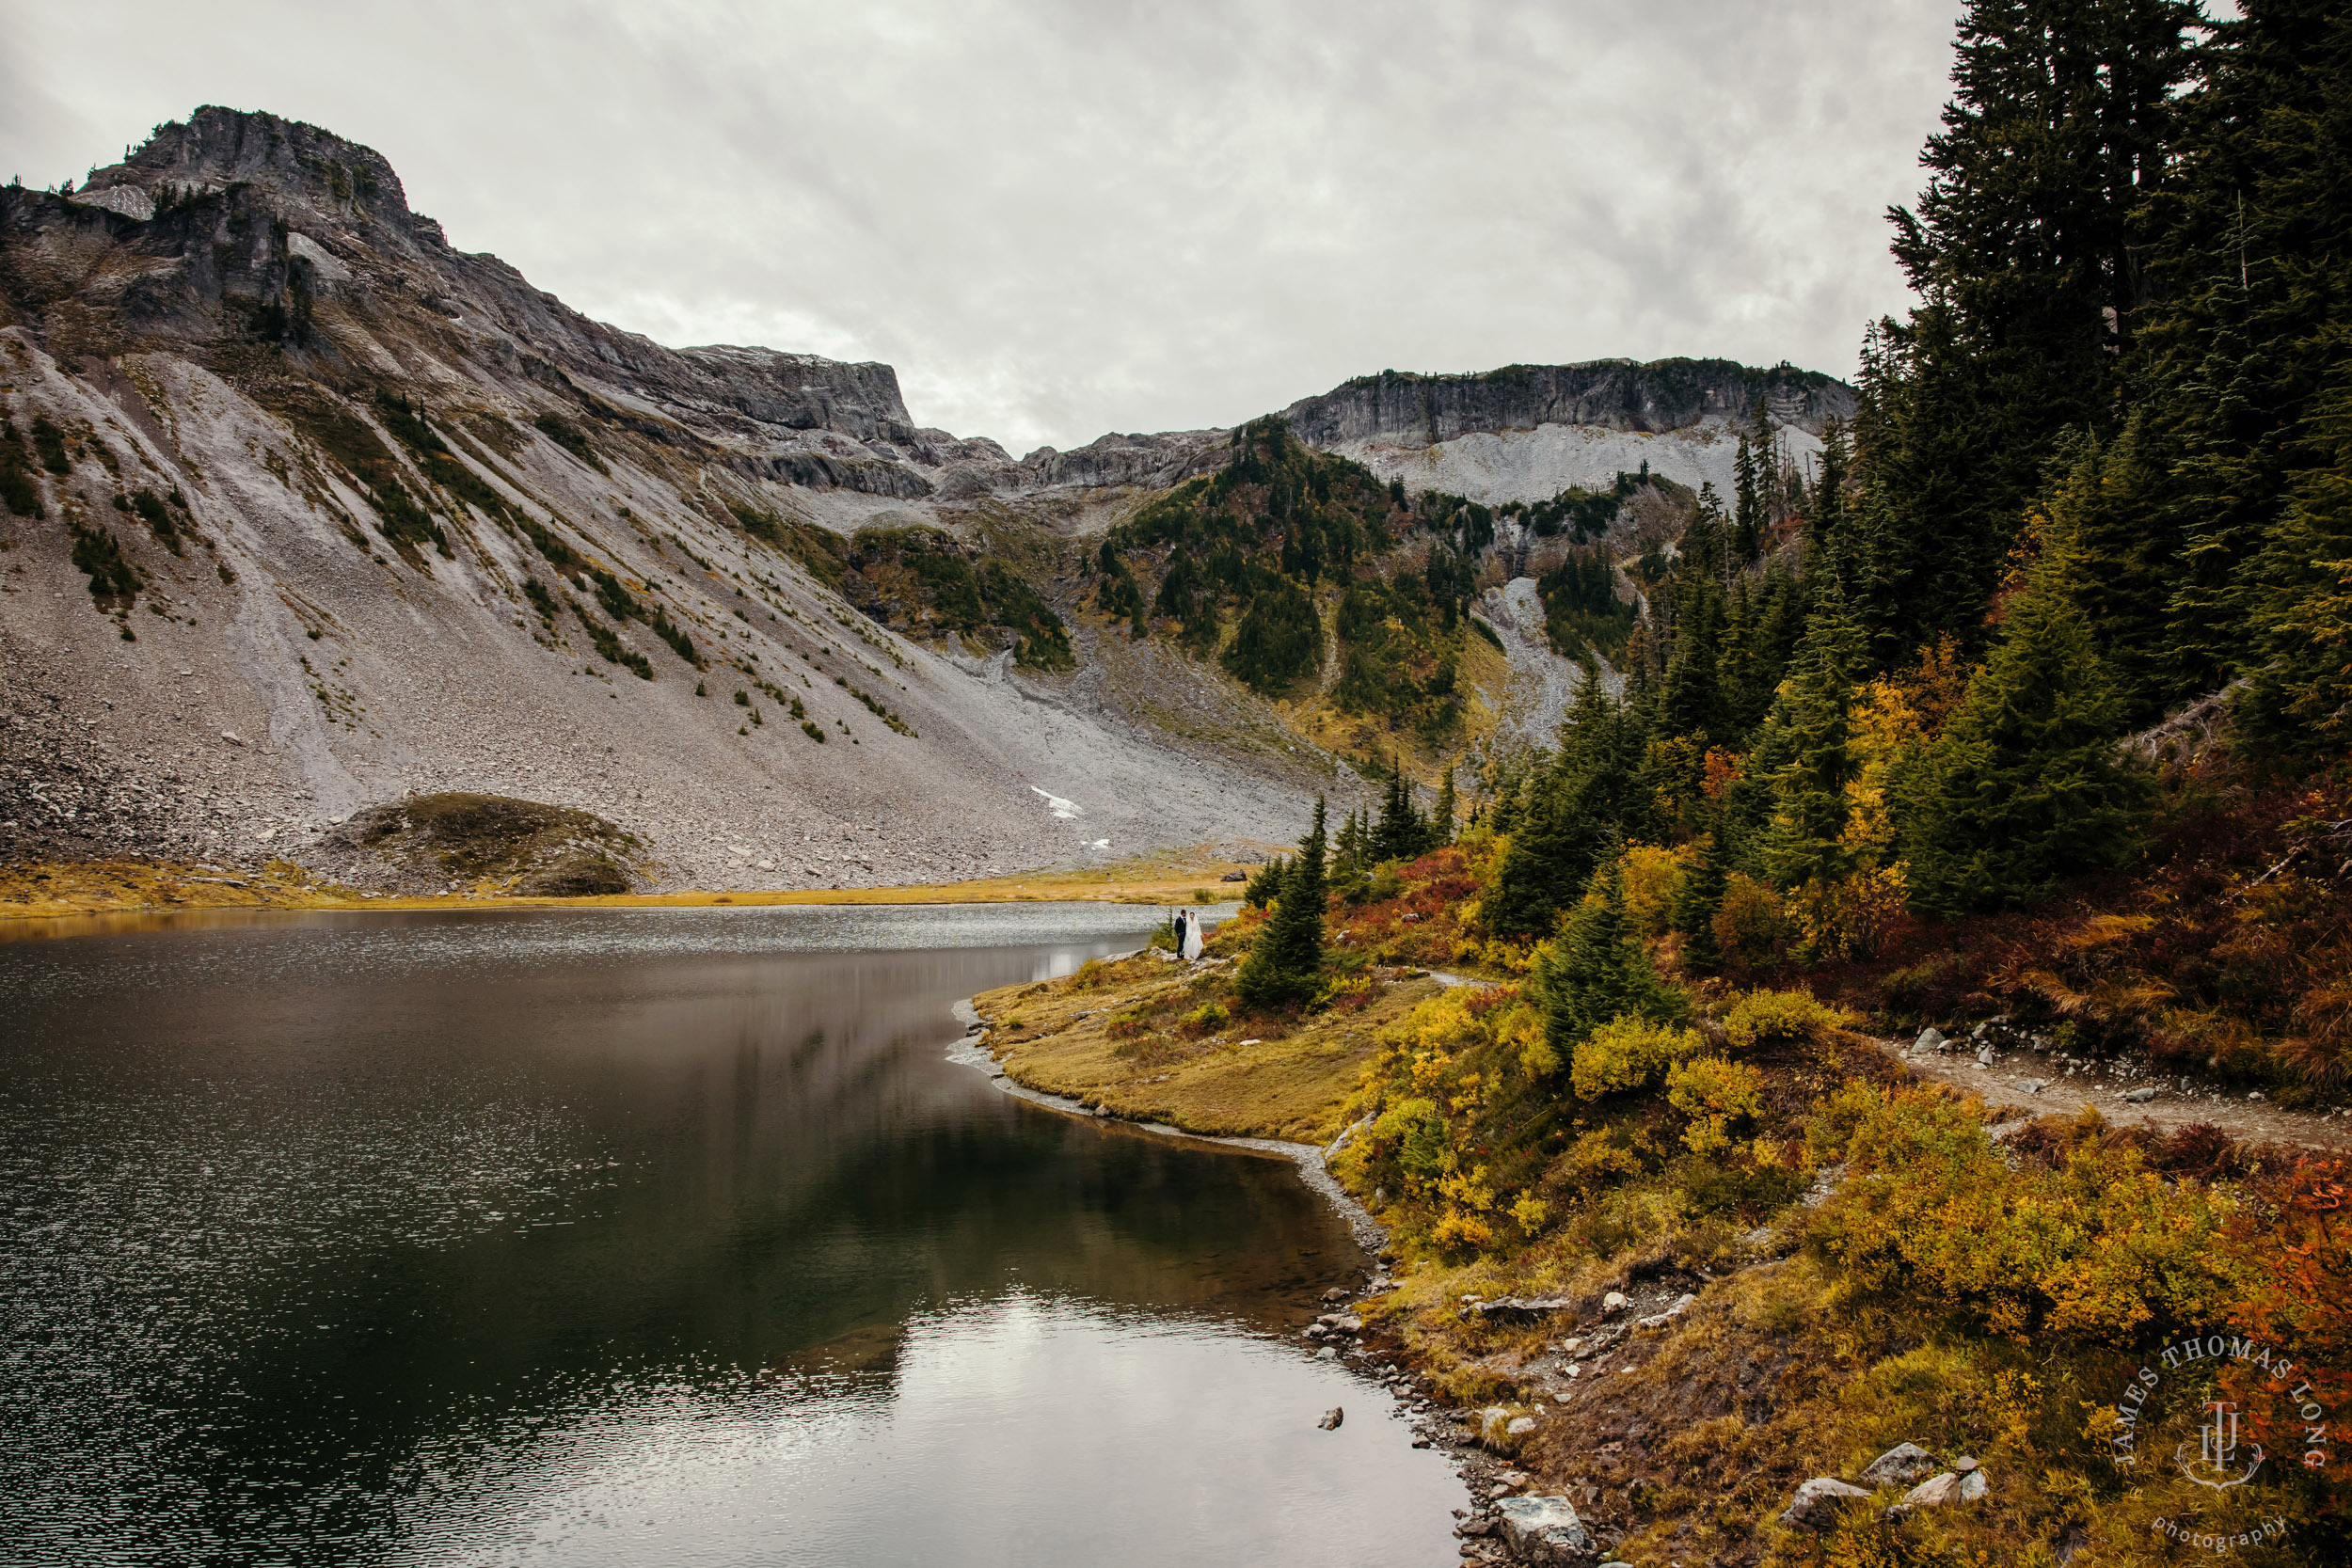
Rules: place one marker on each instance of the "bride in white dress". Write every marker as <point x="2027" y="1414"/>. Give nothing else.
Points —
<point x="1193" y="942"/>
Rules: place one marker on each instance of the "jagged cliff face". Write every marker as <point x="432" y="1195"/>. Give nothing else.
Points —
<point x="323" y="511"/>
<point x="1662" y="397"/>
<point x="1527" y="431"/>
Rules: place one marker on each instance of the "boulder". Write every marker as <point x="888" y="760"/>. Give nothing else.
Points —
<point x="1681" y="1305"/>
<point x="1521" y="1426"/>
<point x="1493" y="1424"/>
<point x="1930" y="1039"/>
<point x="1903" y="1462"/>
<point x="1612" y="1304"/>
<point x="1952" y="1486"/>
<point x="1331" y="1418"/>
<point x="1543" y="1530"/>
<point x="2141" y="1096"/>
<point x="1523" y="1306"/>
<point x="1815" y="1506"/>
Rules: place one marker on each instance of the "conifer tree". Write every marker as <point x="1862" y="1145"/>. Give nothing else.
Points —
<point x="1747" y="529"/>
<point x="1697" y="900"/>
<point x="1812" y="716"/>
<point x="2300" y="601"/>
<point x="1441" y="819"/>
<point x="1691" y="700"/>
<point x="2022" y="249"/>
<point x="1400" y="834"/>
<point x="1565" y="824"/>
<point x="2023" y="788"/>
<point x="1286" y="959"/>
<point x="1596" y="970"/>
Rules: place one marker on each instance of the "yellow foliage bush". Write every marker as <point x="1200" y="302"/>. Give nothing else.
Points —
<point x="1775" y="1018"/>
<point x="1751" y="923"/>
<point x="1715" y="1093"/>
<point x="1652" y="874"/>
<point x="1848" y="916"/>
<point x="1627" y="1054"/>
<point x="1413" y="1134"/>
<point x="2095" y="1250"/>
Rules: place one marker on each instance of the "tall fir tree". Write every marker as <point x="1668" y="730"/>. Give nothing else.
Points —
<point x="1814" y="720"/>
<point x="1698" y="897"/>
<point x="1285" y="962"/>
<point x="1570" y="812"/>
<point x="2250" y="243"/>
<point x="2023" y="788"/>
<point x="2021" y="248"/>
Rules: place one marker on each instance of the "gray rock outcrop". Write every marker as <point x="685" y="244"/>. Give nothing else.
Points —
<point x="1611" y="394"/>
<point x="1901" y="1462"/>
<point x="1815" y="1506"/>
<point x="1543" y="1530"/>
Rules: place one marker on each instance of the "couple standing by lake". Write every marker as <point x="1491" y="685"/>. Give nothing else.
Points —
<point x="1189" y="939"/>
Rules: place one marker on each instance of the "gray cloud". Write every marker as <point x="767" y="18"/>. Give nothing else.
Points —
<point x="1057" y="217"/>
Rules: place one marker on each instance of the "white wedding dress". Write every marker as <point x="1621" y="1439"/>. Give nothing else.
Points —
<point x="1193" y="944"/>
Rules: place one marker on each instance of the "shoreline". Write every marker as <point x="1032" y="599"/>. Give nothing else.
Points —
<point x="1388" y="1368"/>
<point x="970" y="1050"/>
<point x="53" y="891"/>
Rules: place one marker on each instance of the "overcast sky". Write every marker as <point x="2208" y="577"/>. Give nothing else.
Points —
<point x="1059" y="217"/>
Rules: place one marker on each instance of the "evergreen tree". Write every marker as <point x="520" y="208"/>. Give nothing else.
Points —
<point x="2249" y="245"/>
<point x="2021" y="249"/>
<point x="1565" y="823"/>
<point x="1696" y="901"/>
<point x="2023" y="788"/>
<point x="1809" y="803"/>
<point x="1441" y="819"/>
<point x="1285" y="962"/>
<point x="1350" y="855"/>
<point x="1691" y="700"/>
<point x="1596" y="970"/>
<point x="1265" y="885"/>
<point x="2299" y="598"/>
<point x="1747" y="531"/>
<point x="2103" y="501"/>
<point x="1401" y="832"/>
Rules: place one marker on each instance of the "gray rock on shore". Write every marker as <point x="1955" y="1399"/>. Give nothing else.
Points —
<point x="1543" y="1530"/>
<point x="1815" y="1506"/>
<point x="1903" y="1462"/>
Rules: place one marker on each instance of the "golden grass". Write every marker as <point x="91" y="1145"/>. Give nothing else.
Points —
<point x="52" y="889"/>
<point x="1291" y="1084"/>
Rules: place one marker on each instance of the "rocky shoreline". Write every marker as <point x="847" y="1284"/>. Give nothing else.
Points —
<point x="1500" y="1520"/>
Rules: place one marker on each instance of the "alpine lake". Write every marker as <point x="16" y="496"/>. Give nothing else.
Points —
<point x="639" y="1236"/>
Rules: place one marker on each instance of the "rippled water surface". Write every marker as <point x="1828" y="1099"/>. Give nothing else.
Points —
<point x="634" y="1237"/>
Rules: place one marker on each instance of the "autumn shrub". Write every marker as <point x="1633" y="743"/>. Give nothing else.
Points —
<point x="1653" y="873"/>
<point x="1406" y="1145"/>
<point x="1208" y="1016"/>
<point x="2101" y="1249"/>
<point x="2298" y="1259"/>
<point x="1627" y="1054"/>
<point x="1769" y="1020"/>
<point x="1717" y="1094"/>
<point x="1751" y="927"/>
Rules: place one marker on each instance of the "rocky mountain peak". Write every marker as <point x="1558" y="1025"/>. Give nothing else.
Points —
<point x="215" y="147"/>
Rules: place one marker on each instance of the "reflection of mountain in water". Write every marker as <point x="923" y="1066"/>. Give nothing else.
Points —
<point x="365" y="1188"/>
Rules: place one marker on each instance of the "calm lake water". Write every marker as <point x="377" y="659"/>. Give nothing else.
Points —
<point x="658" y="1236"/>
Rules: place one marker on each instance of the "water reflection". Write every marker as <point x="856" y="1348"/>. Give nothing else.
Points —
<point x="594" y="1237"/>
